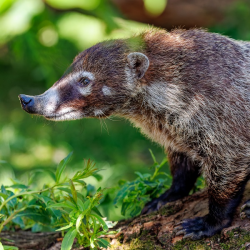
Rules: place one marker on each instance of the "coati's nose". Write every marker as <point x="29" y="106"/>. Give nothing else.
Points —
<point x="27" y="103"/>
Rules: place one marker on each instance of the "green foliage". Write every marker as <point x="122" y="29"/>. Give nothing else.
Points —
<point x="135" y="194"/>
<point x="63" y="205"/>
<point x="236" y="23"/>
<point x="38" y="41"/>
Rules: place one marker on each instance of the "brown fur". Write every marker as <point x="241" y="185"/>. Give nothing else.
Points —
<point x="193" y="99"/>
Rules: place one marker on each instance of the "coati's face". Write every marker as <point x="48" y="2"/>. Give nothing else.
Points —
<point x="99" y="83"/>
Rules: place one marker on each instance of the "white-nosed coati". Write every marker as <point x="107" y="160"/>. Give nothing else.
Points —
<point x="188" y="90"/>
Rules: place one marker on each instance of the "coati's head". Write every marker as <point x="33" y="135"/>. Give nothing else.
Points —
<point x="99" y="83"/>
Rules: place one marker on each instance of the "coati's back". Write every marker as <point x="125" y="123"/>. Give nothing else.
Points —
<point x="196" y="89"/>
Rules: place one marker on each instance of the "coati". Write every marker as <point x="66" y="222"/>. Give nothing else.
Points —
<point x="188" y="90"/>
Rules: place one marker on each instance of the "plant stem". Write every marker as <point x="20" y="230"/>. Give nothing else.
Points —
<point x="85" y="232"/>
<point x="10" y="218"/>
<point x="26" y="193"/>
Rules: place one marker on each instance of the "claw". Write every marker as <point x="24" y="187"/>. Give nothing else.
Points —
<point x="181" y="232"/>
<point x="191" y="235"/>
<point x="243" y="207"/>
<point x="144" y="210"/>
<point x="178" y="228"/>
<point x="179" y="223"/>
<point x="159" y="204"/>
<point x="242" y="215"/>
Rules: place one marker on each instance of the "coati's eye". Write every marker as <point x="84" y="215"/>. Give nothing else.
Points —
<point x="84" y="81"/>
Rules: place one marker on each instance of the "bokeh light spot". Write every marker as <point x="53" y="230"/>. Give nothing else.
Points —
<point x="155" y="7"/>
<point x="48" y="36"/>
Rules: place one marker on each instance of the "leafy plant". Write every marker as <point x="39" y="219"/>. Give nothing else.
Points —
<point x="65" y="205"/>
<point x="135" y="194"/>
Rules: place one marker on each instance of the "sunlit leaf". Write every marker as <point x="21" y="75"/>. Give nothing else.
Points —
<point x="68" y="239"/>
<point x="66" y="227"/>
<point x="79" y="221"/>
<point x="101" y="221"/>
<point x="62" y="166"/>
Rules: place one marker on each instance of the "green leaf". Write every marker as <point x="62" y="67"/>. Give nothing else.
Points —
<point x="19" y="221"/>
<point x="97" y="176"/>
<point x="62" y="204"/>
<point x="101" y="221"/>
<point x="83" y="183"/>
<point x="103" y="243"/>
<point x="68" y="239"/>
<point x="35" y="215"/>
<point x="43" y="198"/>
<point x="5" y="196"/>
<point x="9" y="248"/>
<point x="19" y="186"/>
<point x="96" y="210"/>
<point x="85" y="205"/>
<point x="1" y="246"/>
<point x="135" y="211"/>
<point x="124" y="191"/>
<point x="92" y="242"/>
<point x="62" y="166"/>
<point x="66" y="227"/>
<point x="73" y="190"/>
<point x="13" y="201"/>
<point x="125" y="207"/>
<point x="67" y="190"/>
<point x="139" y="174"/>
<point x="79" y="221"/>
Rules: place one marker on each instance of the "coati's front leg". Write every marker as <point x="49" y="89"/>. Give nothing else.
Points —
<point x="184" y="172"/>
<point x="225" y="195"/>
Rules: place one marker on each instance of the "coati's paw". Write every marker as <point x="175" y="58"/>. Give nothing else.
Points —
<point x="152" y="206"/>
<point x="245" y="210"/>
<point x="197" y="228"/>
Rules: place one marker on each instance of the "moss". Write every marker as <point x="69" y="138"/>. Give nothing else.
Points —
<point x="167" y="211"/>
<point x="138" y="244"/>
<point x="142" y="243"/>
<point x="234" y="240"/>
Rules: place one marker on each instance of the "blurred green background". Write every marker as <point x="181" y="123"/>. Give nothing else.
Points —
<point x="38" y="41"/>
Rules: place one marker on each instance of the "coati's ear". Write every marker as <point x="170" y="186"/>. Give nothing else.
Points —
<point x="138" y="64"/>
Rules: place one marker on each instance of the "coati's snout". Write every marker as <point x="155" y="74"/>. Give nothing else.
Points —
<point x="27" y="103"/>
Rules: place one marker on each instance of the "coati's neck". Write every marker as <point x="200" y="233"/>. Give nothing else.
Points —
<point x="147" y="111"/>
